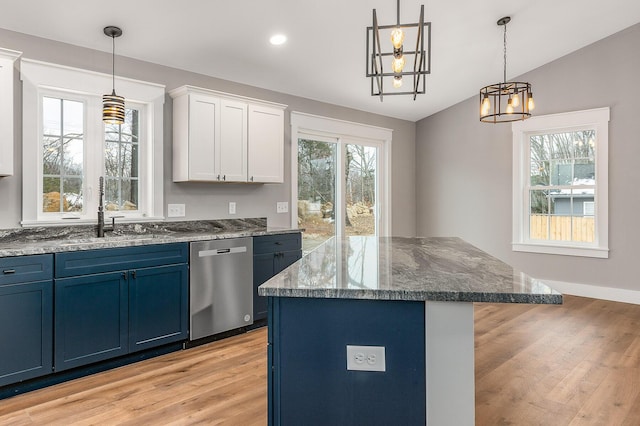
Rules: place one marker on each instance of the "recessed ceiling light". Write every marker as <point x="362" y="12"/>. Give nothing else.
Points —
<point x="278" y="39"/>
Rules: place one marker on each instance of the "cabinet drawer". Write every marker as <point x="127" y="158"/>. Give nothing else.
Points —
<point x="117" y="259"/>
<point x="22" y="269"/>
<point x="276" y="243"/>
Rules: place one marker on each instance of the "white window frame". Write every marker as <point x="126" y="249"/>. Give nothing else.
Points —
<point x="46" y="79"/>
<point x="345" y="132"/>
<point x="596" y="119"/>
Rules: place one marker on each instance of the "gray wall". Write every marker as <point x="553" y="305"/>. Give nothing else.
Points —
<point x="210" y="201"/>
<point x="460" y="160"/>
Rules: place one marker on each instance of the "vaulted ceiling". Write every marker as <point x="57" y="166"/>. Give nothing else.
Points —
<point x="324" y="57"/>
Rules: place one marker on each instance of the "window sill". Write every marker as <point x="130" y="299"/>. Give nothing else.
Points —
<point x="72" y="222"/>
<point x="597" y="252"/>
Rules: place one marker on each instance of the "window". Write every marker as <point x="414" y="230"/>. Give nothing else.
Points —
<point x="339" y="180"/>
<point x="560" y="184"/>
<point x="67" y="147"/>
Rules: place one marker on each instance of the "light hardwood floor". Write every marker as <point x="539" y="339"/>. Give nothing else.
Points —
<point x="575" y="364"/>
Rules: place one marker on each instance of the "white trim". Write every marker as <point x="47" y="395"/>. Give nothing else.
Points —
<point x="597" y="119"/>
<point x="7" y="60"/>
<point x="595" y="292"/>
<point x="345" y="131"/>
<point x="41" y="78"/>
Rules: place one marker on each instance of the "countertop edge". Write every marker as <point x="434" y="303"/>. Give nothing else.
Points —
<point x="60" y="246"/>
<point x="420" y="296"/>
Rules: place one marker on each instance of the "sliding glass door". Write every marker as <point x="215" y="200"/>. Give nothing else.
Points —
<point x="337" y="188"/>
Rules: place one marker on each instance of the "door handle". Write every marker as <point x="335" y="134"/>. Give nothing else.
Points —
<point x="9" y="271"/>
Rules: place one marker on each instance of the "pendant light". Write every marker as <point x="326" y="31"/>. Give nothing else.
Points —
<point x="113" y="105"/>
<point x="506" y="101"/>
<point x="381" y="53"/>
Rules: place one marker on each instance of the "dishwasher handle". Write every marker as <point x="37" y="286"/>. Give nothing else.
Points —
<point x="222" y="251"/>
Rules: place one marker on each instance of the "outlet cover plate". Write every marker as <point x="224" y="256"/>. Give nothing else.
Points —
<point x="366" y="358"/>
<point x="232" y="207"/>
<point x="175" y="210"/>
<point x="282" y="207"/>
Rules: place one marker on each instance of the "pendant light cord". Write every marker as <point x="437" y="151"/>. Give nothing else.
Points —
<point x="505" y="52"/>
<point x="113" y="64"/>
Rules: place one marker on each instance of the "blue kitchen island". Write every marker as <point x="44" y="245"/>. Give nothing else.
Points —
<point x="379" y="331"/>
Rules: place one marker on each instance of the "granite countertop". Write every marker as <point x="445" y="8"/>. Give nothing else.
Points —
<point x="27" y="241"/>
<point x="412" y="269"/>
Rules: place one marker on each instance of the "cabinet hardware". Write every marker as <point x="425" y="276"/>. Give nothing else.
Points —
<point x="124" y="275"/>
<point x="224" y="177"/>
<point x="133" y="274"/>
<point x="218" y="177"/>
<point x="9" y="271"/>
<point x="251" y="178"/>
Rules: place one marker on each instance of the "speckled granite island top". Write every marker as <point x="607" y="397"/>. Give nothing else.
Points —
<point x="27" y="241"/>
<point x="398" y="268"/>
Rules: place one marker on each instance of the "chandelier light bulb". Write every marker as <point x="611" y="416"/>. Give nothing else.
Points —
<point x="398" y="64"/>
<point x="486" y="105"/>
<point x="530" y="104"/>
<point x="515" y="99"/>
<point x="397" y="82"/>
<point x="509" y="109"/>
<point x="397" y="38"/>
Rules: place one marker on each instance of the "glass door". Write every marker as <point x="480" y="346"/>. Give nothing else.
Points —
<point x="337" y="189"/>
<point x="317" y="160"/>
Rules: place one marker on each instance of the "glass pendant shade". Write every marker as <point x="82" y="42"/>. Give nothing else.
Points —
<point x="397" y="82"/>
<point x="486" y="105"/>
<point x="112" y="109"/>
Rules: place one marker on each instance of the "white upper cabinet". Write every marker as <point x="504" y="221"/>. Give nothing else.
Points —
<point x="266" y="144"/>
<point x="7" y="58"/>
<point x="219" y="137"/>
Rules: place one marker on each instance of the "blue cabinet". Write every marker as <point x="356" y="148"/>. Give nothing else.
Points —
<point x="26" y="316"/>
<point x="125" y="300"/>
<point x="307" y="358"/>
<point x="158" y="306"/>
<point x="91" y="320"/>
<point x="271" y="255"/>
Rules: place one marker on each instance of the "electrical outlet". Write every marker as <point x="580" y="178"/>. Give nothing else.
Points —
<point x="366" y="358"/>
<point x="232" y="207"/>
<point x="175" y="210"/>
<point x="282" y="207"/>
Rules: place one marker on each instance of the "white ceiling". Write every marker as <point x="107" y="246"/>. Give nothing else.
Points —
<point x="324" y="58"/>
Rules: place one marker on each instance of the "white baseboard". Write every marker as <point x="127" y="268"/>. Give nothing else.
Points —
<point x="596" y="292"/>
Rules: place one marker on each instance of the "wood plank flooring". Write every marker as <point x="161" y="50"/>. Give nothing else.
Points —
<point x="575" y="364"/>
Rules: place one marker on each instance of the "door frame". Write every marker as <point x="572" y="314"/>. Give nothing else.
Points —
<point x="345" y="132"/>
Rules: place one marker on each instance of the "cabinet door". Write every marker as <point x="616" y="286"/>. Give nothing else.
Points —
<point x="91" y="321"/>
<point x="158" y="306"/>
<point x="263" y="265"/>
<point x="7" y="58"/>
<point x="266" y="144"/>
<point x="233" y="141"/>
<point x="204" y="132"/>
<point x="26" y="324"/>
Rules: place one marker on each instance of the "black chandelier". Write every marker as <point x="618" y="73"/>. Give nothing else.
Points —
<point x="390" y="82"/>
<point x="113" y="105"/>
<point x="506" y="101"/>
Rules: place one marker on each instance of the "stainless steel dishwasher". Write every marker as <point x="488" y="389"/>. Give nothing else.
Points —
<point x="221" y="286"/>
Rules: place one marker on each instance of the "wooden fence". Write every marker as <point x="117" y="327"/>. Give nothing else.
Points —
<point x="560" y="229"/>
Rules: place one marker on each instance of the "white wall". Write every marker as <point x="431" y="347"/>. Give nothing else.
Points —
<point x="210" y="201"/>
<point x="464" y="166"/>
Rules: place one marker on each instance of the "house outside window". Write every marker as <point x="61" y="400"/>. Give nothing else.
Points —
<point x="67" y="147"/>
<point x="560" y="184"/>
